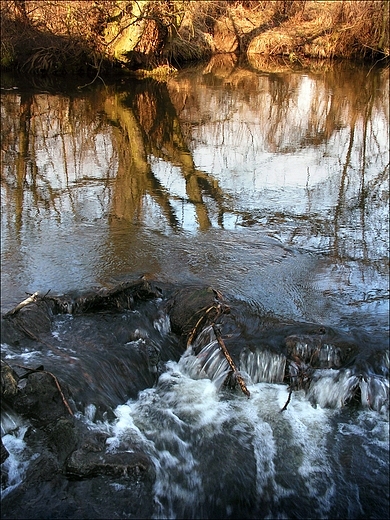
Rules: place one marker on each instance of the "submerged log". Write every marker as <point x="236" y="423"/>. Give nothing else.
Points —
<point x="279" y="355"/>
<point x="33" y="316"/>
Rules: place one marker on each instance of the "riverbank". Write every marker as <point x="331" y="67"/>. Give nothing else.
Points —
<point x="97" y="38"/>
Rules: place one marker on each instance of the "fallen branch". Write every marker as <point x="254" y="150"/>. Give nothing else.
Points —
<point x="31" y="299"/>
<point x="230" y="361"/>
<point x="205" y="312"/>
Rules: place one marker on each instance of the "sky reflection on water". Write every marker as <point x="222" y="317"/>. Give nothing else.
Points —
<point x="270" y="185"/>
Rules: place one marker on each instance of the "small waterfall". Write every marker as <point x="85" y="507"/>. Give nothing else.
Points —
<point x="10" y="421"/>
<point x="327" y="387"/>
<point x="162" y="324"/>
<point x="310" y="349"/>
<point x="375" y="393"/>
<point x="217" y="457"/>
<point x="263" y="365"/>
<point x="334" y="388"/>
<point x="204" y="359"/>
<point x="208" y="362"/>
<point x="13" y="470"/>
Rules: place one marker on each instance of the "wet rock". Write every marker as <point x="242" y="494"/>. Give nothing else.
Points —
<point x="84" y="463"/>
<point x="119" y="298"/>
<point x="96" y="498"/>
<point x="187" y="306"/>
<point x="4" y="453"/>
<point x="62" y="437"/>
<point x="28" y="322"/>
<point x="74" y="477"/>
<point x="35" y="317"/>
<point x="39" y="399"/>
<point x="91" y="460"/>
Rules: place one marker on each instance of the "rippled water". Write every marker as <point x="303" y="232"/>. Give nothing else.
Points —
<point x="269" y="185"/>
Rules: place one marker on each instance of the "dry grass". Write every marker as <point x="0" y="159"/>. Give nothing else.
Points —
<point x="160" y="73"/>
<point x="58" y="36"/>
<point x="327" y="29"/>
<point x="51" y="36"/>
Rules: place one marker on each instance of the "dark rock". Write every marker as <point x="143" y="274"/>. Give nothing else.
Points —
<point x="39" y="399"/>
<point x="95" y="498"/>
<point x="187" y="306"/>
<point x="4" y="453"/>
<point x="30" y="321"/>
<point x="318" y="352"/>
<point x="62" y="438"/>
<point x="84" y="463"/>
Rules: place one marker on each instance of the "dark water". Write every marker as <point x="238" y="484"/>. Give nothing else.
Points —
<point x="269" y="185"/>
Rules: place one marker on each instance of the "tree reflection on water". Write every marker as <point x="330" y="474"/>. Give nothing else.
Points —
<point x="299" y="155"/>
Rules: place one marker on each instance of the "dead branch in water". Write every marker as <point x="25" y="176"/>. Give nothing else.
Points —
<point x="202" y="319"/>
<point x="230" y="361"/>
<point x="31" y="299"/>
<point x="287" y="402"/>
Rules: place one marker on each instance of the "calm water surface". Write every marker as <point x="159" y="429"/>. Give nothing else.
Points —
<point x="270" y="185"/>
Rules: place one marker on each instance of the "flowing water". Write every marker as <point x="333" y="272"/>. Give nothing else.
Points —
<point x="270" y="185"/>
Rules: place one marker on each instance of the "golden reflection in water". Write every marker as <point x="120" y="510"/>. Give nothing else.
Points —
<point x="55" y="146"/>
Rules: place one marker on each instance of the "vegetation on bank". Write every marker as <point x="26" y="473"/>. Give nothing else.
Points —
<point x="59" y="36"/>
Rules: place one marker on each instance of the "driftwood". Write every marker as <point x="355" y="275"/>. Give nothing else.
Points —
<point x="209" y="315"/>
<point x="31" y="299"/>
<point x="203" y="319"/>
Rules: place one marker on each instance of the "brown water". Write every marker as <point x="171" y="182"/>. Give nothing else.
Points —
<point x="272" y="185"/>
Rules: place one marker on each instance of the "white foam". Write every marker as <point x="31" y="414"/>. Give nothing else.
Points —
<point x="163" y="324"/>
<point x="175" y="420"/>
<point x="332" y="388"/>
<point x="15" y="466"/>
<point x="375" y="393"/>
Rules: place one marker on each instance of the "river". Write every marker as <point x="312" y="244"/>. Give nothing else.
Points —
<point x="270" y="184"/>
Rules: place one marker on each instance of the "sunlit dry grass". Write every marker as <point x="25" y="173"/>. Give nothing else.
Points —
<point x="62" y="36"/>
<point x="327" y="29"/>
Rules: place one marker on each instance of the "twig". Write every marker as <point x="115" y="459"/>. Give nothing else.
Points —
<point x="203" y="317"/>
<point x="287" y="402"/>
<point x="230" y="361"/>
<point x="95" y="78"/>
